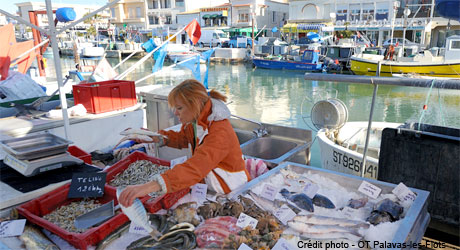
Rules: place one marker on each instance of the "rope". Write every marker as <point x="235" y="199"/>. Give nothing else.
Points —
<point x="425" y="107"/>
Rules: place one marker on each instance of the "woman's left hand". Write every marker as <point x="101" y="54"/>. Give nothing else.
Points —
<point x="135" y="191"/>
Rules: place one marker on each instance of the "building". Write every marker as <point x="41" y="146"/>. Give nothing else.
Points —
<point x="80" y="10"/>
<point x="129" y="14"/>
<point x="377" y="19"/>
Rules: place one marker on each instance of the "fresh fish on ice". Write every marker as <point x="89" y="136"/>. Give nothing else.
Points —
<point x="262" y="202"/>
<point x="137" y="214"/>
<point x="312" y="228"/>
<point x="385" y="211"/>
<point x="323" y="201"/>
<point x="33" y="238"/>
<point x="300" y="199"/>
<point x="331" y="236"/>
<point x="324" y="220"/>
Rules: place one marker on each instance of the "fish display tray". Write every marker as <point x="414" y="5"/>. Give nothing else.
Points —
<point x="100" y="97"/>
<point x="35" y="209"/>
<point x="170" y="199"/>
<point x="124" y="163"/>
<point x="80" y="154"/>
<point x="35" y="146"/>
<point x="413" y="225"/>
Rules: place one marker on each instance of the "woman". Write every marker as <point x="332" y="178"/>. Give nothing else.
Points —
<point x="216" y="158"/>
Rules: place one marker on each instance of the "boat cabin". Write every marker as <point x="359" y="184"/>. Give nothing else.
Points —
<point x="310" y="56"/>
<point x="452" y="48"/>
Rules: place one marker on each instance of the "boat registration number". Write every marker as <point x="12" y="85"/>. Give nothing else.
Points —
<point x="353" y="164"/>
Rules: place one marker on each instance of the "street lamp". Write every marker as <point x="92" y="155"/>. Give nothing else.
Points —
<point x="406" y="14"/>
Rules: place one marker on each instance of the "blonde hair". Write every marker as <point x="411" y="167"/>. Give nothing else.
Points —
<point x="194" y="96"/>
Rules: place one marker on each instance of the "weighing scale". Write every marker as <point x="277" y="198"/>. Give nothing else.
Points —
<point x="31" y="155"/>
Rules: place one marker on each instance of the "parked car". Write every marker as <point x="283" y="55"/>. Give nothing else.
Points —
<point x="232" y="43"/>
<point x="212" y="37"/>
<point x="399" y="41"/>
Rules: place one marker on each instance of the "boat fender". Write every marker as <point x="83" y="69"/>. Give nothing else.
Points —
<point x="65" y="14"/>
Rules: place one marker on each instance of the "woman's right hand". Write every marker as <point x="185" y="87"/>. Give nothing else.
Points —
<point x="136" y="191"/>
<point x="155" y="139"/>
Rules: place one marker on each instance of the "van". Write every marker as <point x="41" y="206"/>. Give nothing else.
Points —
<point x="212" y="37"/>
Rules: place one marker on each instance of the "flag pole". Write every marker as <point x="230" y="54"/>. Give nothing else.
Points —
<point x="143" y="59"/>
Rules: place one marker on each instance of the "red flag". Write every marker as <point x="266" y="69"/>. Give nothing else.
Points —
<point x="193" y="30"/>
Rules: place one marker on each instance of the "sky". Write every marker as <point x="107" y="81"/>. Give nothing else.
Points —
<point x="8" y="5"/>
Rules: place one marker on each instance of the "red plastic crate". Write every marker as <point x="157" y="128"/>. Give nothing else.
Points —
<point x="80" y="154"/>
<point x="100" y="97"/>
<point x="170" y="199"/>
<point x="34" y="211"/>
<point x="123" y="164"/>
<point x="153" y="205"/>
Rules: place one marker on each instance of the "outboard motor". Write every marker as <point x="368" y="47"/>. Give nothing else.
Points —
<point x="331" y="64"/>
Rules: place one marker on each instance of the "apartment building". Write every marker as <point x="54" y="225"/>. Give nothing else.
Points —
<point x="129" y="14"/>
<point x="375" y="18"/>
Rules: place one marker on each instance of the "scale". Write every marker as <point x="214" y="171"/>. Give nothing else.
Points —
<point x="31" y="155"/>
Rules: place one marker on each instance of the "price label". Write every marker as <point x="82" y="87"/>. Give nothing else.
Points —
<point x="370" y="190"/>
<point x="136" y="229"/>
<point x="284" y="214"/>
<point x="245" y="220"/>
<point x="199" y="192"/>
<point x="179" y="160"/>
<point x="282" y="244"/>
<point x="310" y="189"/>
<point x="87" y="185"/>
<point x="12" y="227"/>
<point x="244" y="247"/>
<point x="351" y="213"/>
<point x="404" y="193"/>
<point x="269" y="192"/>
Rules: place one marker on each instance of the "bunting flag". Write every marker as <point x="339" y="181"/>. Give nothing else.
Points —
<point x="159" y="57"/>
<point x="207" y="57"/>
<point x="193" y="30"/>
<point x="193" y="65"/>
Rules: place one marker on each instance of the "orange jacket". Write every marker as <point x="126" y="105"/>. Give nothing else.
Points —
<point x="217" y="159"/>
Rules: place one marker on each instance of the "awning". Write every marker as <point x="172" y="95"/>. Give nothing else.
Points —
<point x="230" y="30"/>
<point x="289" y="27"/>
<point x="307" y="27"/>
<point x="214" y="16"/>
<point x="206" y="16"/>
<point x="246" y="30"/>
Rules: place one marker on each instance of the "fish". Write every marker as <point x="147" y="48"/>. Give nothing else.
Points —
<point x="300" y="199"/>
<point x="180" y="236"/>
<point x="113" y="236"/>
<point x="137" y="214"/>
<point x="312" y="228"/>
<point x="33" y="238"/>
<point x="325" y="220"/>
<point x="280" y="203"/>
<point x="323" y="201"/>
<point x="331" y="236"/>
<point x="263" y="203"/>
<point x="377" y="217"/>
<point x="391" y="207"/>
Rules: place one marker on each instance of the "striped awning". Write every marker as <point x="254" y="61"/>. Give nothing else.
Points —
<point x="306" y="27"/>
<point x="290" y="27"/>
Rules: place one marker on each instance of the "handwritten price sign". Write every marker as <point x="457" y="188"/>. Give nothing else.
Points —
<point x="370" y="190"/>
<point x="245" y="220"/>
<point x="87" y="185"/>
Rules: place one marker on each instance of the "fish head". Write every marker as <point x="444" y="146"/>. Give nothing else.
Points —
<point x="285" y="193"/>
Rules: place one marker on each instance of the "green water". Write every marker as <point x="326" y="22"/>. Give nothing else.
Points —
<point x="285" y="98"/>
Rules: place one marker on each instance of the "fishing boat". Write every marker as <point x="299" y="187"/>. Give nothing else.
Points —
<point x="308" y="62"/>
<point x="424" y="64"/>
<point x="342" y="148"/>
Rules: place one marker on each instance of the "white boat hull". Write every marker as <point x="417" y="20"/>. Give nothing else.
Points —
<point x="338" y="158"/>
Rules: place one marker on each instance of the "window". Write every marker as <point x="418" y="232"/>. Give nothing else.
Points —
<point x="342" y="11"/>
<point x="274" y="17"/>
<point x="243" y="16"/>
<point x="166" y="4"/>
<point x="130" y="13"/>
<point x="112" y="12"/>
<point x="355" y="12"/>
<point x="455" y="45"/>
<point x="138" y="12"/>
<point x="156" y="20"/>
<point x="179" y="3"/>
<point x="168" y="20"/>
<point x="368" y="11"/>
<point x="382" y="11"/>
<point x="156" y="4"/>
<point x="151" y="21"/>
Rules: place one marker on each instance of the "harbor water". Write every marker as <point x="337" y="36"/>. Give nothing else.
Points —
<point x="283" y="97"/>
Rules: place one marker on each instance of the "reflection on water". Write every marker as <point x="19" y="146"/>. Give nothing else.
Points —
<point x="274" y="96"/>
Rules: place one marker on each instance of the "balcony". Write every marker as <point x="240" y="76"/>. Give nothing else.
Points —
<point x="134" y="20"/>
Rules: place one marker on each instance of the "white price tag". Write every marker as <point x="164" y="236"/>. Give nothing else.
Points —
<point x="370" y="190"/>
<point x="404" y="193"/>
<point x="199" y="192"/>
<point x="12" y="228"/>
<point x="282" y="244"/>
<point x="244" y="247"/>
<point x="269" y="192"/>
<point x="351" y="213"/>
<point x="179" y="160"/>
<point x="284" y="214"/>
<point x="245" y="220"/>
<point x="136" y="229"/>
<point x="310" y="189"/>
